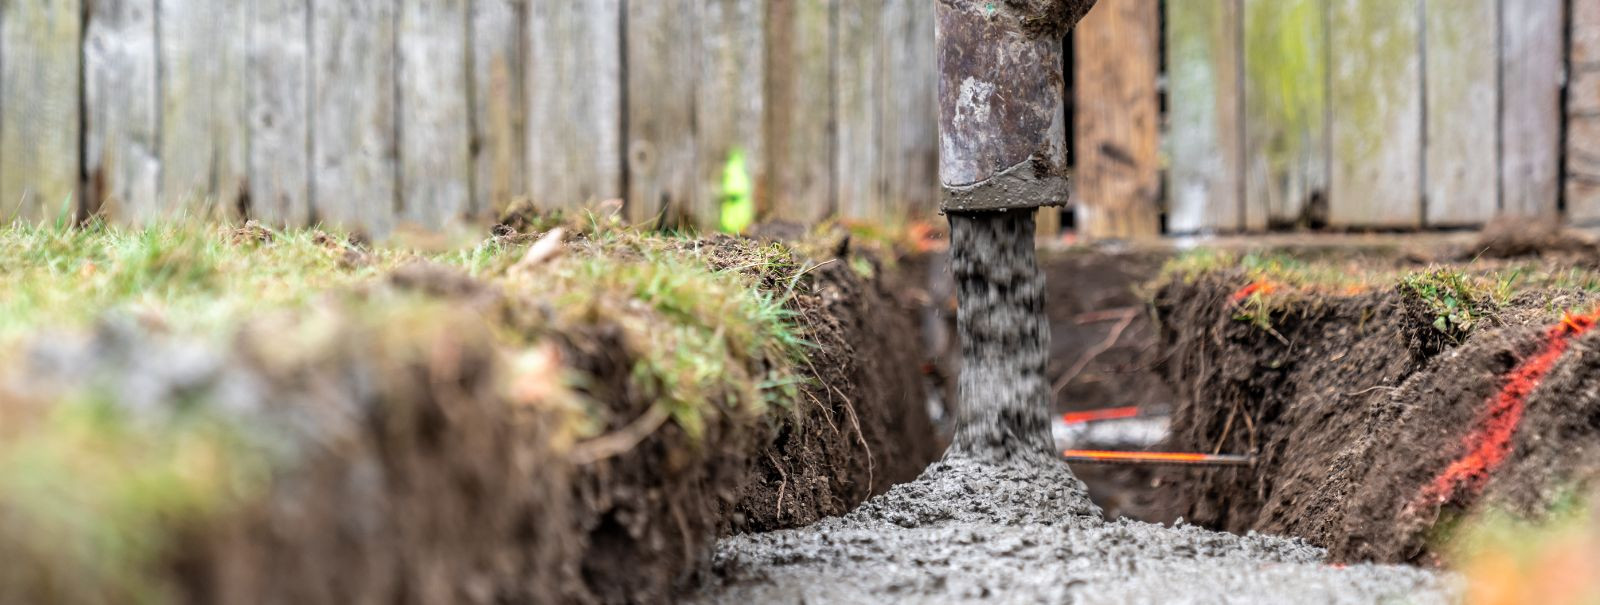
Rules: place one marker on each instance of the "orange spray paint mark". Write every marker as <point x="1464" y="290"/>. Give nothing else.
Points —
<point x="1102" y="414"/>
<point x="1260" y="286"/>
<point x="1489" y="442"/>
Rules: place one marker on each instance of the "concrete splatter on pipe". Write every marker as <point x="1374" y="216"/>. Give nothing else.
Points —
<point x="1002" y="113"/>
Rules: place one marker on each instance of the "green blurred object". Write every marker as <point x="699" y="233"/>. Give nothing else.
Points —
<point x="738" y="205"/>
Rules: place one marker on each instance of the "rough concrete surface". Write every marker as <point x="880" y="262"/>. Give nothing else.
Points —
<point x="1022" y="531"/>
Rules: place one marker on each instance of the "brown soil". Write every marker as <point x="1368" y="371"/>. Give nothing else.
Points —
<point x="415" y="479"/>
<point x="1353" y="405"/>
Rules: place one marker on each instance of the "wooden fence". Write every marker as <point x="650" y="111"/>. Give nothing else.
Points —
<point x="1348" y="113"/>
<point x="372" y="113"/>
<point x="1189" y="115"/>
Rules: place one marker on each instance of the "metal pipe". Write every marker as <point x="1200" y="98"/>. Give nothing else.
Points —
<point x="1002" y="109"/>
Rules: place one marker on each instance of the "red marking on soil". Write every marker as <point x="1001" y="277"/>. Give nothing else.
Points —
<point x="1102" y="414"/>
<point x="1262" y="287"/>
<point x="1489" y="442"/>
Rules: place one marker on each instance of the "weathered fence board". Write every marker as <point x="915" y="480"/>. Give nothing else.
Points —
<point x="729" y="97"/>
<point x="1204" y="111"/>
<point x="1117" y="182"/>
<point x="662" y="52"/>
<point x="498" y="107"/>
<point x="1583" y="116"/>
<point x="1286" y="103"/>
<point x="799" y="114"/>
<point x="908" y="108"/>
<point x="1375" y="92"/>
<point x="204" y="82"/>
<point x="1531" y="69"/>
<point x="574" y="67"/>
<point x="1462" y="101"/>
<point x="857" y="84"/>
<point x="435" y="121"/>
<point x="124" y="112"/>
<point x="39" y="107"/>
<point x="354" y="138"/>
<point x="280" y="111"/>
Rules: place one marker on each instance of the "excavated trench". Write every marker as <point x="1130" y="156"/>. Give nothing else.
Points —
<point x="1002" y="518"/>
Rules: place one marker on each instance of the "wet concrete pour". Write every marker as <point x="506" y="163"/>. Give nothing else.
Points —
<point x="1023" y="531"/>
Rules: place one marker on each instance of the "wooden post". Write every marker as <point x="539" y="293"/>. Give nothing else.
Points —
<point x="1117" y="172"/>
<point x="124" y="121"/>
<point x="1463" y="91"/>
<point x="1376" y="105"/>
<point x="908" y="109"/>
<point x="1203" y="106"/>
<point x="1530" y="135"/>
<point x="1285" y="101"/>
<point x="857" y="86"/>
<point x="204" y="137"/>
<point x="799" y="112"/>
<point x="1583" y="116"/>
<point x="574" y="60"/>
<point x="354" y="129"/>
<point x="731" y="94"/>
<point x="498" y="112"/>
<point x="662" y="46"/>
<point x="435" y="128"/>
<point x="39" y="104"/>
<point x="280" y="112"/>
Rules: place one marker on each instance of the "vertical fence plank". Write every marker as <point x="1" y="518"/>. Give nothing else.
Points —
<point x="39" y="103"/>
<point x="799" y="114"/>
<point x="1117" y="178"/>
<point x="575" y="108"/>
<point x="1583" y="116"/>
<point x="1203" y="108"/>
<point x="857" y="86"/>
<point x="662" y="43"/>
<point x="1462" y="70"/>
<point x="353" y="113"/>
<point x="909" y="110"/>
<point x="280" y="111"/>
<point x="1285" y="98"/>
<point x="435" y="117"/>
<point x="498" y="125"/>
<point x="730" y="96"/>
<point x="204" y="135"/>
<point x="1531" y="64"/>
<point x="124" y="113"/>
<point x="1375" y="93"/>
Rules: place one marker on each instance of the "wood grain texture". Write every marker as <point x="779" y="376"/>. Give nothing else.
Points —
<point x="1531" y="72"/>
<point x="39" y="107"/>
<point x="730" y="97"/>
<point x="857" y="86"/>
<point x="1204" y="112"/>
<point x="354" y="144"/>
<point x="1583" y="116"/>
<point x="662" y="43"/>
<point x="1285" y="99"/>
<point x="1375" y="93"/>
<point x="799" y="117"/>
<point x="204" y="98"/>
<point x="280" y="111"/>
<point x="122" y="100"/>
<point x="499" y="115"/>
<point x="575" y="108"/>
<point x="1462" y="99"/>
<point x="435" y="113"/>
<point x="908" y="110"/>
<point x="1117" y="180"/>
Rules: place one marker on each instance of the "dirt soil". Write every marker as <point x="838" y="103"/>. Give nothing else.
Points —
<point x="1373" y="430"/>
<point x="411" y="476"/>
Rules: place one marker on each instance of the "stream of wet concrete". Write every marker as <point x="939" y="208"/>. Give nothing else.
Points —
<point x="1002" y="519"/>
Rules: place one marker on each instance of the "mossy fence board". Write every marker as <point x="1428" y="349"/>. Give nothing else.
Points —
<point x="373" y="114"/>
